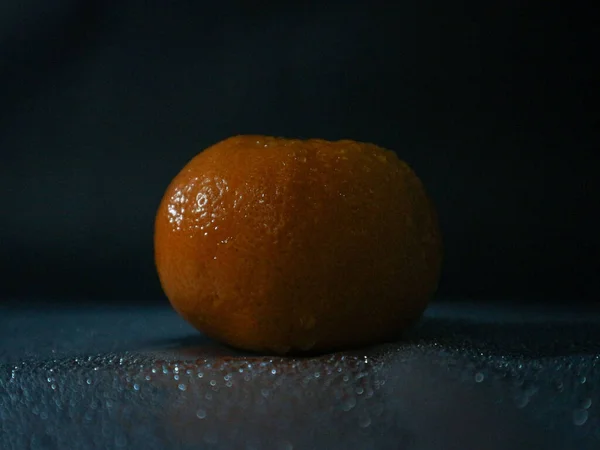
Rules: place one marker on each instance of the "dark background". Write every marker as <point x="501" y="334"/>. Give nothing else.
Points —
<point x="102" y="103"/>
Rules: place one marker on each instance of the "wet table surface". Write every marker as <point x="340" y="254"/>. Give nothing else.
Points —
<point x="469" y="376"/>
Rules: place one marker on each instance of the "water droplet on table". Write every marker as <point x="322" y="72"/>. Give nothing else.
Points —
<point x="580" y="416"/>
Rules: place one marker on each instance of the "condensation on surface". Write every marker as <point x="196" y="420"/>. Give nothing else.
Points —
<point x="123" y="378"/>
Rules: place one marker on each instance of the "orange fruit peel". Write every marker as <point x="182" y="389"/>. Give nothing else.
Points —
<point x="286" y="245"/>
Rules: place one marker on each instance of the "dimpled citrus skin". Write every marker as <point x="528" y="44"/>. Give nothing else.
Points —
<point x="285" y="245"/>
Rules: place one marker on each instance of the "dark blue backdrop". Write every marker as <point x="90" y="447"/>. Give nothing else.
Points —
<point x="101" y="103"/>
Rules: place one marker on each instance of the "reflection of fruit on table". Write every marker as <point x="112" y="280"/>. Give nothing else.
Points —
<point x="296" y="245"/>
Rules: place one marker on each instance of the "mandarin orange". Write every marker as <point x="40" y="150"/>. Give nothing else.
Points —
<point x="287" y="245"/>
